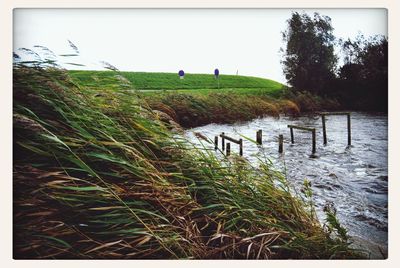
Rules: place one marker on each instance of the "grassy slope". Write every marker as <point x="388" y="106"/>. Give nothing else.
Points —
<point x="195" y="83"/>
<point x="195" y="100"/>
<point x="97" y="175"/>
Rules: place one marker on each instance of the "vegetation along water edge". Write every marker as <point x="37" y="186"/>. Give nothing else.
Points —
<point x="98" y="175"/>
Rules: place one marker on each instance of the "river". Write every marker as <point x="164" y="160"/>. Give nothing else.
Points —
<point x="354" y="179"/>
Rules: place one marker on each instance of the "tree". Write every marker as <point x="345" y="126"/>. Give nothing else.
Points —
<point x="309" y="61"/>
<point x="364" y="75"/>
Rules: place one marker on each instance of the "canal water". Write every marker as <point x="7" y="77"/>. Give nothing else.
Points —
<point x="352" y="179"/>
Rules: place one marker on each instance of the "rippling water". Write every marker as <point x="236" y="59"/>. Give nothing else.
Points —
<point x="354" y="179"/>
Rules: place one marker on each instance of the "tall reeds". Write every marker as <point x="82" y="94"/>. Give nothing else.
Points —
<point x="98" y="175"/>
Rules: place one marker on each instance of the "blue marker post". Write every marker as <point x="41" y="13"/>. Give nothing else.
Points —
<point x="216" y="73"/>
<point x="181" y="74"/>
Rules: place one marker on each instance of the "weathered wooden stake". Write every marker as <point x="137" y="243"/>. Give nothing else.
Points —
<point x="313" y="142"/>
<point x="291" y="135"/>
<point x="307" y="129"/>
<point x="324" y="129"/>
<point x="216" y="142"/>
<point x="228" y="148"/>
<point x="240" y="147"/>
<point x="348" y="130"/>
<point x="223" y="142"/>
<point x="259" y="137"/>
<point x="348" y="125"/>
<point x="280" y="143"/>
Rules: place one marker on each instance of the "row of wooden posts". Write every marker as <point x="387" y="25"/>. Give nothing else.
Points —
<point x="280" y="139"/>
<point x="240" y="142"/>
<point x="228" y="145"/>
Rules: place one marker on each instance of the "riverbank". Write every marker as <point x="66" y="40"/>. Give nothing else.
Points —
<point x="201" y="99"/>
<point x="98" y="175"/>
<point x="198" y="109"/>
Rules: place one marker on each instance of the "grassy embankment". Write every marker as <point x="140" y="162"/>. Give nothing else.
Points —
<point x="97" y="175"/>
<point x="197" y="100"/>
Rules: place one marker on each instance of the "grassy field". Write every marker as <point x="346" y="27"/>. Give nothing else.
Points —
<point x="192" y="83"/>
<point x="97" y="175"/>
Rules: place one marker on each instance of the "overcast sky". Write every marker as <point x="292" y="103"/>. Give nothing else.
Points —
<point x="167" y="40"/>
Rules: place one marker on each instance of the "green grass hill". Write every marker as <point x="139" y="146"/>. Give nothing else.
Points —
<point x="171" y="81"/>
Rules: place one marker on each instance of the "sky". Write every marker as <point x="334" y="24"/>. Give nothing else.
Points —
<point x="243" y="41"/>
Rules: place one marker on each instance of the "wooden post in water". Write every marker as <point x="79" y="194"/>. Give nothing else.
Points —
<point x="324" y="129"/>
<point x="291" y="135"/>
<point x="223" y="142"/>
<point x="259" y="137"/>
<point x="348" y="125"/>
<point x="239" y="141"/>
<point x="280" y="143"/>
<point x="312" y="130"/>
<point x="348" y="130"/>
<point x="313" y="142"/>
<point x="228" y="148"/>
<point x="215" y="142"/>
